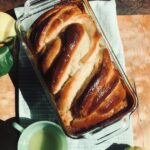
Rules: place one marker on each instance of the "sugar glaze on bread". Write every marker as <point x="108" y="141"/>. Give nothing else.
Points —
<point x="76" y="67"/>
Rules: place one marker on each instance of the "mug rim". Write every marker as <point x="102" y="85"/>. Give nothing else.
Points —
<point x="23" y="133"/>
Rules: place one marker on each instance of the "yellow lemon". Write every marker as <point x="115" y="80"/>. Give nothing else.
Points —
<point x="7" y="27"/>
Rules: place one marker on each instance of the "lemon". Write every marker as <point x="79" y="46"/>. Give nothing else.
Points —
<point x="7" y="27"/>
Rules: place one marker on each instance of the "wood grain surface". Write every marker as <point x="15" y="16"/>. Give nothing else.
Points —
<point x="7" y="98"/>
<point x="132" y="7"/>
<point x="6" y="5"/>
<point x="135" y="34"/>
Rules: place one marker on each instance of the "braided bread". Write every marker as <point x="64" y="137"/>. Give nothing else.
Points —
<point x="76" y="67"/>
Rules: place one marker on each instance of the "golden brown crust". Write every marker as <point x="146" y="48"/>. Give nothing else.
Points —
<point x="37" y="26"/>
<point x="100" y="86"/>
<point x="73" y="35"/>
<point x="105" y="110"/>
<point x="113" y="99"/>
<point x="94" y="40"/>
<point x="80" y="125"/>
<point x="51" y="52"/>
<point x="85" y="83"/>
<point x="45" y="34"/>
<point x="73" y="87"/>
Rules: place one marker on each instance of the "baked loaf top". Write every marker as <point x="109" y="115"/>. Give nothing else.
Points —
<point x="76" y="67"/>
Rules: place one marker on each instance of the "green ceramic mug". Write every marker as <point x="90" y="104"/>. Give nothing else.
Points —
<point x="42" y="135"/>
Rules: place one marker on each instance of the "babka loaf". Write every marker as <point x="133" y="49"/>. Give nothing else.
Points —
<point x="76" y="67"/>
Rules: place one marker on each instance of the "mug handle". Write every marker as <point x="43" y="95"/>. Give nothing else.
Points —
<point x="17" y="126"/>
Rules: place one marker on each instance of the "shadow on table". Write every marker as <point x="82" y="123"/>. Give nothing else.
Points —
<point x="8" y="135"/>
<point x="117" y="146"/>
<point x="29" y="93"/>
<point x="31" y="96"/>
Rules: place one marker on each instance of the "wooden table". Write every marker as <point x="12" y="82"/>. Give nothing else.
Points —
<point x="135" y="34"/>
